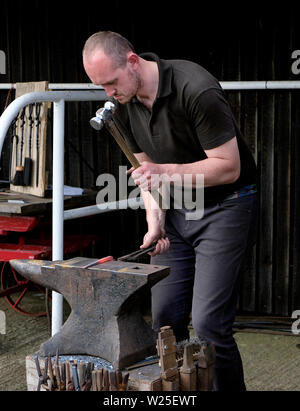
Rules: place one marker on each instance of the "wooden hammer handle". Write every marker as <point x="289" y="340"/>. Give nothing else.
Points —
<point x="110" y="125"/>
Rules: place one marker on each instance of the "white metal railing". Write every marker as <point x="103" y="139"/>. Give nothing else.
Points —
<point x="84" y="92"/>
<point x="226" y="85"/>
<point x="58" y="98"/>
<point x="58" y="86"/>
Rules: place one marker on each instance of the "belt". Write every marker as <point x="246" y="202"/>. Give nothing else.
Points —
<point x="242" y="192"/>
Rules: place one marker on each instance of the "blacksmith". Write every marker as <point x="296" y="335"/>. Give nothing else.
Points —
<point x="176" y="120"/>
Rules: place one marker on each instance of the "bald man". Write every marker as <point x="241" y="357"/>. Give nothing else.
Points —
<point x="176" y="120"/>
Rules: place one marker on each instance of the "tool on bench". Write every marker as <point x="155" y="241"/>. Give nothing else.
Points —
<point x="19" y="176"/>
<point x="13" y="136"/>
<point x="28" y="160"/>
<point x="38" y="122"/>
<point x="100" y="261"/>
<point x="104" y="117"/>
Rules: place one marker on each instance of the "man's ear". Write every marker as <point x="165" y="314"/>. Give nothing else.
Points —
<point x="132" y="59"/>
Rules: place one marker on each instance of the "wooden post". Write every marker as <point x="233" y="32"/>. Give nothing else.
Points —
<point x="188" y="376"/>
<point x="166" y="350"/>
<point x="206" y="361"/>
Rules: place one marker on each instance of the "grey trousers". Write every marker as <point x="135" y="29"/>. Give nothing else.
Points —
<point x="205" y="258"/>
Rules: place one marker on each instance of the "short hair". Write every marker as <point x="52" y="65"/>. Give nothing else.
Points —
<point x="113" y="44"/>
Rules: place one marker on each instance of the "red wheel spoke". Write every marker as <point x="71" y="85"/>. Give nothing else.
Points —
<point x="21" y="296"/>
<point x="9" y="279"/>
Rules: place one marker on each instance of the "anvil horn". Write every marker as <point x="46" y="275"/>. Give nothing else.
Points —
<point x="32" y="270"/>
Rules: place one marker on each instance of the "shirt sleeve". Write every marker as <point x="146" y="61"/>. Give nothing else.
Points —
<point x="212" y="119"/>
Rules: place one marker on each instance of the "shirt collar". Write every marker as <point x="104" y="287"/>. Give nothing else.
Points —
<point x="165" y="74"/>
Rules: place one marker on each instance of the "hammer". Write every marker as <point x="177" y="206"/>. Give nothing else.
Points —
<point x="104" y="116"/>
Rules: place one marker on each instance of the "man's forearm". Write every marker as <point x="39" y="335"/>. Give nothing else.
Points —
<point x="215" y="171"/>
<point x="222" y="166"/>
<point x="153" y="211"/>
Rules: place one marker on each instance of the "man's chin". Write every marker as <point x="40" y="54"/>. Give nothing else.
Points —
<point x="123" y="99"/>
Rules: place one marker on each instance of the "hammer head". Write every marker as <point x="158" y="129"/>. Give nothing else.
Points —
<point x="103" y="114"/>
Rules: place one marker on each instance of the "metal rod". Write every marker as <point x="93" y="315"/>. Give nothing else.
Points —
<point x="59" y="86"/>
<point x="18" y="104"/>
<point x="58" y="205"/>
<point x="74" y="213"/>
<point x="227" y="85"/>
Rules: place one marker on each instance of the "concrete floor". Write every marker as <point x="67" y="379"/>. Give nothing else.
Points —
<point x="271" y="362"/>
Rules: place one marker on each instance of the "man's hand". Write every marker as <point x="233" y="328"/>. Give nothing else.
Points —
<point x="156" y="232"/>
<point x="148" y="176"/>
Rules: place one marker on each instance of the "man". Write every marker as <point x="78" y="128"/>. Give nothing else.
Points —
<point x="177" y="122"/>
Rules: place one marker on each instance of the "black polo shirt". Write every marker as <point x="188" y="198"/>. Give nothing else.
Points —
<point x="190" y="115"/>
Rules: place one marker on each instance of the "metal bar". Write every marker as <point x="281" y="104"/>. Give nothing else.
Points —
<point x="58" y="205"/>
<point x="59" y="86"/>
<point x="13" y="109"/>
<point x="74" y="213"/>
<point x="245" y="85"/>
<point x="227" y="85"/>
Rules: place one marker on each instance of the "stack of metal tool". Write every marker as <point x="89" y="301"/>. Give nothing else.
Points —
<point x="78" y="376"/>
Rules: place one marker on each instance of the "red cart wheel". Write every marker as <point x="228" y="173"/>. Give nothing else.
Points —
<point x="9" y="278"/>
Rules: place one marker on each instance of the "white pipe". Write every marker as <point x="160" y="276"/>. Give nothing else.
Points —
<point x="244" y="85"/>
<point x="74" y="213"/>
<point x="13" y="109"/>
<point x="227" y="85"/>
<point x="58" y="205"/>
<point x="282" y="85"/>
<point x="59" y="86"/>
<point x="74" y="86"/>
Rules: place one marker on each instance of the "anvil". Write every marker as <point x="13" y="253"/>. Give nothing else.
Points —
<point x="106" y="320"/>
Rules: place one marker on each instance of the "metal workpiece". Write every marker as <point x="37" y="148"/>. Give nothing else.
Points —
<point x="106" y="320"/>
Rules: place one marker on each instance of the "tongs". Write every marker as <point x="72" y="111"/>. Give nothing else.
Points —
<point x="129" y="257"/>
<point x="136" y="254"/>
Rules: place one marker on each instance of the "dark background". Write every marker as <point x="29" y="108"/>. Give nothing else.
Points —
<point x="43" y="40"/>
